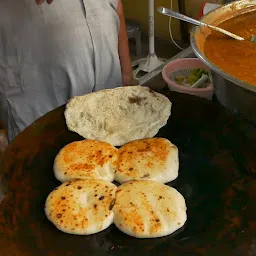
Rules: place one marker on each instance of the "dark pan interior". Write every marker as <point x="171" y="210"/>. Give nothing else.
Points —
<point x="217" y="177"/>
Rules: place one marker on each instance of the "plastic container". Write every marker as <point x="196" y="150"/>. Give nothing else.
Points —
<point x="183" y="67"/>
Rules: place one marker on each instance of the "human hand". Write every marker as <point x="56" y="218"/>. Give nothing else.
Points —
<point x="41" y="1"/>
<point x="129" y="80"/>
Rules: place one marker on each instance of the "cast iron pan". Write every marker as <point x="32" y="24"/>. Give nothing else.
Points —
<point x="217" y="178"/>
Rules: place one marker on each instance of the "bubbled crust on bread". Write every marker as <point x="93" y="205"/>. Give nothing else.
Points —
<point x="148" y="209"/>
<point x="147" y="159"/>
<point x="86" y="159"/>
<point x="81" y="207"/>
<point x="118" y="115"/>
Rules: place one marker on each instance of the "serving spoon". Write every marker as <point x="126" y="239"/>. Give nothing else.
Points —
<point x="180" y="16"/>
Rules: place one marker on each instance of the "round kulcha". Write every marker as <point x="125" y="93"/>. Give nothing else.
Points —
<point x="148" y="209"/>
<point x="81" y="207"/>
<point x="86" y="159"/>
<point x="147" y="159"/>
<point x="118" y="115"/>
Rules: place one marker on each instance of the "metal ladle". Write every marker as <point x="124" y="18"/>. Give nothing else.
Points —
<point x="180" y="16"/>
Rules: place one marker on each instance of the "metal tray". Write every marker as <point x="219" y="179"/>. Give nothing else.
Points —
<point x="217" y="178"/>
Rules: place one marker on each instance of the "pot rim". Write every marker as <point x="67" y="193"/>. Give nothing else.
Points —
<point x="212" y="66"/>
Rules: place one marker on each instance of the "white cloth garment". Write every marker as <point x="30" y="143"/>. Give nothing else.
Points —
<point x="50" y="53"/>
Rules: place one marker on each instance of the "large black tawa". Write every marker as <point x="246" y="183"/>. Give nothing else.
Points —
<point x="217" y="178"/>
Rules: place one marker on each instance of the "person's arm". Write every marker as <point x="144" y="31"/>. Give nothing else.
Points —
<point x="3" y="139"/>
<point x="123" y="49"/>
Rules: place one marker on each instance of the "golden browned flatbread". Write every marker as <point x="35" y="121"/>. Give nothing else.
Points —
<point x="148" y="209"/>
<point x="81" y="207"/>
<point x="86" y="159"/>
<point x="147" y="159"/>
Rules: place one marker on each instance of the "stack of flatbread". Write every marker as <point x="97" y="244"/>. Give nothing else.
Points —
<point x="88" y="202"/>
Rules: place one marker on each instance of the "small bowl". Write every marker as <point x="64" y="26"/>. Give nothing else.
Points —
<point x="181" y="65"/>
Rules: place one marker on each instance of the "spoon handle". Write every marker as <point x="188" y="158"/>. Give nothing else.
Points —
<point x="180" y="16"/>
<point x="223" y="31"/>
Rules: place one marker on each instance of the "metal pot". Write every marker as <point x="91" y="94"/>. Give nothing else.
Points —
<point x="231" y="92"/>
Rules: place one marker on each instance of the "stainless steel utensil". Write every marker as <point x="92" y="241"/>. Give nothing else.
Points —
<point x="180" y="16"/>
<point x="231" y="92"/>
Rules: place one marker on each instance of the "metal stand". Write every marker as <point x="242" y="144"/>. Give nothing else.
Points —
<point x="146" y="65"/>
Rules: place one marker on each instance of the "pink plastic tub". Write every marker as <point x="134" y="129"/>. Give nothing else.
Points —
<point x="181" y="66"/>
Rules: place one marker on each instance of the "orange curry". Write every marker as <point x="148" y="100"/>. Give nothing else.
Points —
<point x="237" y="58"/>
